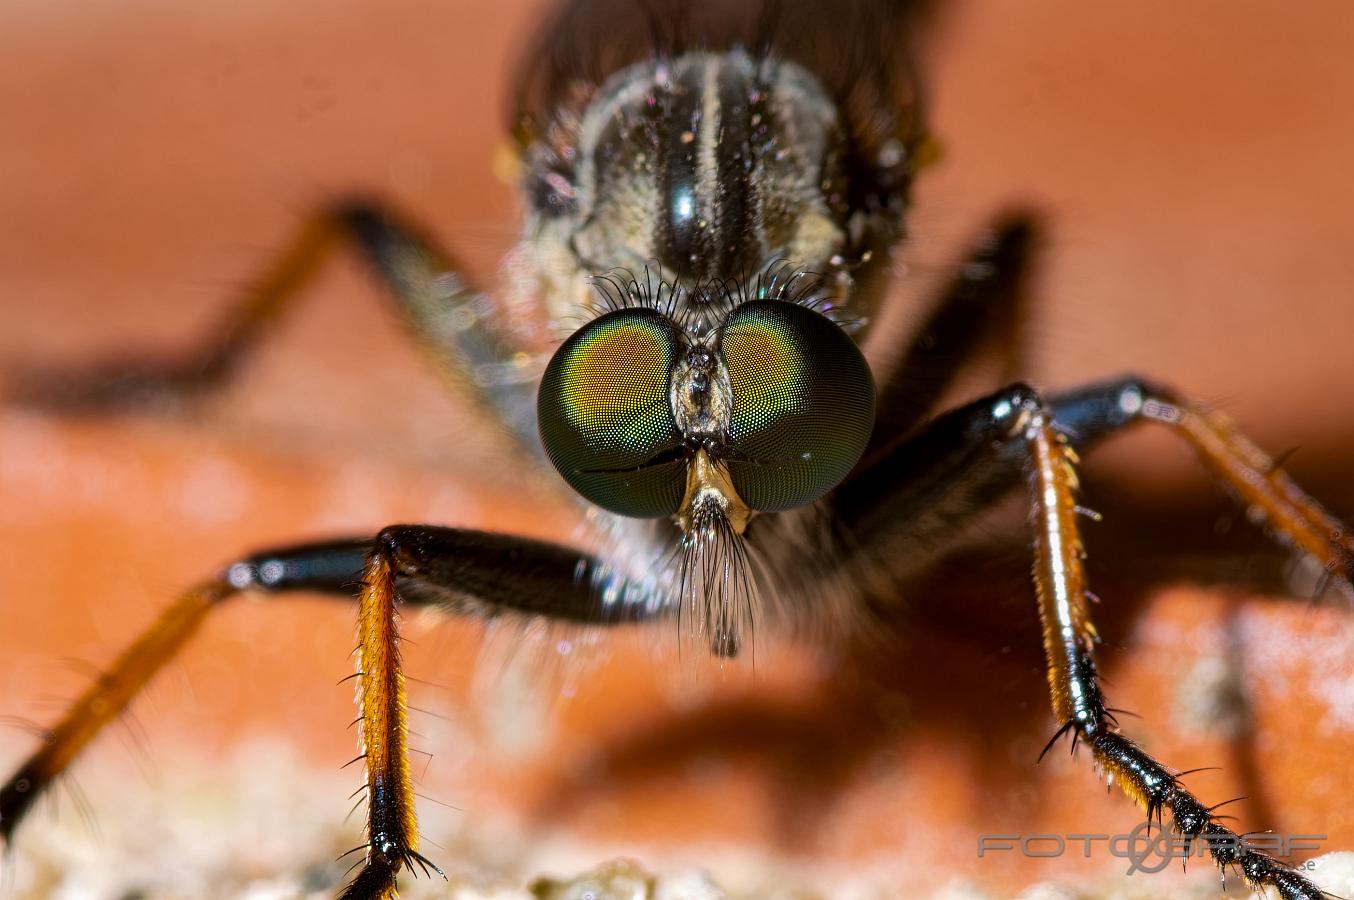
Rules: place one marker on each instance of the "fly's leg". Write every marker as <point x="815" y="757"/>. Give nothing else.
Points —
<point x="982" y="300"/>
<point x="332" y="567"/>
<point x="104" y="700"/>
<point x="459" y="325"/>
<point x="497" y="573"/>
<point x="935" y="477"/>
<point x="461" y="571"/>
<point x="1069" y="639"/>
<point x="1264" y="490"/>
<point x="923" y="488"/>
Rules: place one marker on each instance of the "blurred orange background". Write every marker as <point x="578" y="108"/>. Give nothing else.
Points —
<point x="1193" y="162"/>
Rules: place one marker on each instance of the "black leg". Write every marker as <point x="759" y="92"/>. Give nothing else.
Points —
<point x="923" y="489"/>
<point x="981" y="302"/>
<point x="462" y="571"/>
<point x="460" y="326"/>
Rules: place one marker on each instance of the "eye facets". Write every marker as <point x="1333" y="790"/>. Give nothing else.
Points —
<point x="604" y="413"/>
<point x="614" y="382"/>
<point x="803" y="403"/>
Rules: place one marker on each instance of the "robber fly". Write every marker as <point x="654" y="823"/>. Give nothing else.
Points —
<point x="713" y="193"/>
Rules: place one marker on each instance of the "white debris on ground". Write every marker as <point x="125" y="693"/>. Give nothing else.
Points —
<point x="1334" y="873"/>
<point x="230" y="830"/>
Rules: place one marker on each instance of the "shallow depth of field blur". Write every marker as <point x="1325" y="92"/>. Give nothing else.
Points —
<point x="1193" y="164"/>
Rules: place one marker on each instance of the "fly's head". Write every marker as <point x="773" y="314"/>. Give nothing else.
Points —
<point x="722" y="392"/>
<point x="765" y="411"/>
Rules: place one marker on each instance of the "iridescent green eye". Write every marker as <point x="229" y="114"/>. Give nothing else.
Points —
<point x="606" y="418"/>
<point x="803" y="403"/>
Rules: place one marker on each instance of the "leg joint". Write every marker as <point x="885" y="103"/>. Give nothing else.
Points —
<point x="1191" y="816"/>
<point x="1130" y="394"/>
<point x="357" y="212"/>
<point x="388" y="542"/>
<point x="1010" y="412"/>
<point x="409" y="548"/>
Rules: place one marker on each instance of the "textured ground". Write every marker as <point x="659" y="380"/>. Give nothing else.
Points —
<point x="1193" y="161"/>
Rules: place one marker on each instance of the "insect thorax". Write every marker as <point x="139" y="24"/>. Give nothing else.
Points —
<point x="705" y="168"/>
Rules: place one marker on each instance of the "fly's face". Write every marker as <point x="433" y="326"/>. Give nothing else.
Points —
<point x="703" y="192"/>
<point x="765" y="412"/>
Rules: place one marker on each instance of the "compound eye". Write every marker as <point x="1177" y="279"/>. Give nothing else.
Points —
<point x="605" y="416"/>
<point x="803" y="403"/>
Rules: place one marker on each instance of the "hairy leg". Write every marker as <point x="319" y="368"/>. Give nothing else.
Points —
<point x="462" y="571"/>
<point x="923" y="489"/>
